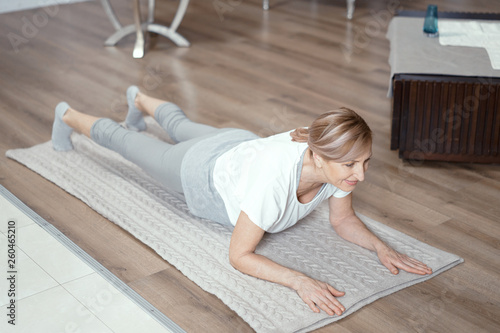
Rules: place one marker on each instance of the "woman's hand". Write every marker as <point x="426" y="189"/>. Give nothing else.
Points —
<point x="318" y="295"/>
<point x="244" y="240"/>
<point x="352" y="229"/>
<point x="394" y="260"/>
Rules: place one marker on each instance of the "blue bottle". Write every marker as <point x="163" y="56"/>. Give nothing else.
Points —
<point x="431" y="21"/>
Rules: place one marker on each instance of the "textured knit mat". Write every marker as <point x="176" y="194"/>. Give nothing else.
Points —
<point x="124" y="194"/>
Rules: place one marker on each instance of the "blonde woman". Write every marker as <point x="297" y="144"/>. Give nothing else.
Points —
<point x="256" y="185"/>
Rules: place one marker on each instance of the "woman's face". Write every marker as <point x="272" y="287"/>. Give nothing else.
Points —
<point x="346" y="175"/>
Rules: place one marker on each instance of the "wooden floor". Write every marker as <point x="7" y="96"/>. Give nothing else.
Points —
<point x="267" y="72"/>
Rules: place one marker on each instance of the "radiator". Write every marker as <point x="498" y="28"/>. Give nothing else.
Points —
<point x="446" y="118"/>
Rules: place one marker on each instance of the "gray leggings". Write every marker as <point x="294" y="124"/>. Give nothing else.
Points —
<point x="159" y="159"/>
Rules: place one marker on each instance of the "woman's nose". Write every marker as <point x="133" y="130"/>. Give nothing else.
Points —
<point x="360" y="173"/>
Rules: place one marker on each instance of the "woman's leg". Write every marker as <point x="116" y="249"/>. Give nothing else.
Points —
<point x="65" y="121"/>
<point x="80" y="122"/>
<point x="178" y="126"/>
<point x="170" y="117"/>
<point x="159" y="159"/>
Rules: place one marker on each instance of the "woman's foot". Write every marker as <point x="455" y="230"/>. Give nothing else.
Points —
<point x="61" y="133"/>
<point x="135" y="119"/>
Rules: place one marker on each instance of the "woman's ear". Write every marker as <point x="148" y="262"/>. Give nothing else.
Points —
<point x="318" y="161"/>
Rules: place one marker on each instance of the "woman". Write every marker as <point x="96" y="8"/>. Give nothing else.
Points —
<point x="257" y="185"/>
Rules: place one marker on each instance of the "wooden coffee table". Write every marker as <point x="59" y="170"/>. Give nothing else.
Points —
<point x="446" y="117"/>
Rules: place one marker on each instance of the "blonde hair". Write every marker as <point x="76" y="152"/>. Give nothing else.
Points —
<point x="339" y="135"/>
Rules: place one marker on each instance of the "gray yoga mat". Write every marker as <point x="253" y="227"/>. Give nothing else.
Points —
<point x="125" y="195"/>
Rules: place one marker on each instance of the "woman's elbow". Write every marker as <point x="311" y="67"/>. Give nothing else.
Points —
<point x="237" y="260"/>
<point x="233" y="260"/>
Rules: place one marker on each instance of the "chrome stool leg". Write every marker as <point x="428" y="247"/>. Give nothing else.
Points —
<point x="151" y="11"/>
<point x="350" y="8"/>
<point x="111" y="14"/>
<point x="139" y="34"/>
<point x="170" y="32"/>
<point x="138" y="27"/>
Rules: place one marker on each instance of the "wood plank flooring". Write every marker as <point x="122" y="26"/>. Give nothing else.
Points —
<point x="267" y="72"/>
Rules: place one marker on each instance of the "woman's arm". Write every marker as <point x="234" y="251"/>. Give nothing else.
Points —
<point x="244" y="240"/>
<point x="351" y="228"/>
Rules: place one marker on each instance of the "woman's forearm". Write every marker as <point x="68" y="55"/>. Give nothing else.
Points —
<point x="354" y="230"/>
<point x="316" y="294"/>
<point x="350" y="227"/>
<point x="244" y="240"/>
<point x="264" y="268"/>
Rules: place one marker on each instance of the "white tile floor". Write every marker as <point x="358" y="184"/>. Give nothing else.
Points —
<point x="56" y="291"/>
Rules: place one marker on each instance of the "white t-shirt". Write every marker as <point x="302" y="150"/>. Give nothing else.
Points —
<point x="260" y="177"/>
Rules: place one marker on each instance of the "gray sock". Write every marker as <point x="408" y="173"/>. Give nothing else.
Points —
<point x="135" y="119"/>
<point x="61" y="132"/>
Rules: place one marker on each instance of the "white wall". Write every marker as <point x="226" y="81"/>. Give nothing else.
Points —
<point x="15" y="5"/>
